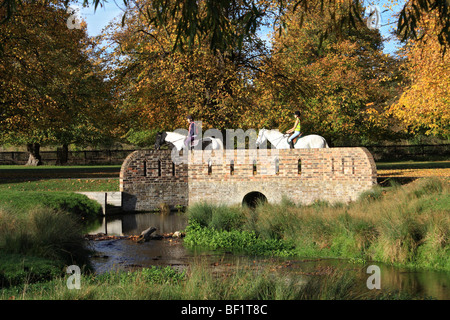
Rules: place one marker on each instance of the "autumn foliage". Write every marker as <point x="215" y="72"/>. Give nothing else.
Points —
<point x="337" y="82"/>
<point x="156" y="86"/>
<point x="52" y="88"/>
<point x="58" y="86"/>
<point x="424" y="106"/>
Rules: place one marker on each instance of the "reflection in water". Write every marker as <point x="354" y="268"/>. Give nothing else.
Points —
<point x="134" y="224"/>
<point x="126" y="255"/>
<point x="434" y="284"/>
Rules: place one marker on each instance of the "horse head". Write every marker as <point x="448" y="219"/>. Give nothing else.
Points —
<point x="261" y="137"/>
<point x="160" y="139"/>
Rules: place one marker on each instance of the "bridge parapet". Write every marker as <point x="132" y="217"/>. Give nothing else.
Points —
<point x="302" y="175"/>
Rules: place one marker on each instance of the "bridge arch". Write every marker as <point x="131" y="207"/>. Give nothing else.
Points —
<point x="253" y="198"/>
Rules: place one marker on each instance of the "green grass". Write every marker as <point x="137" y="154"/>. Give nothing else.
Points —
<point x="400" y="225"/>
<point x="81" y="185"/>
<point x="199" y="283"/>
<point x="59" y="178"/>
<point x="40" y="232"/>
<point x="38" y="241"/>
<point x="41" y="218"/>
<point x="21" y="202"/>
<point x="17" y="269"/>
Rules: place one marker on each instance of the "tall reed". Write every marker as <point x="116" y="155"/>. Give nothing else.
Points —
<point x="407" y="225"/>
<point x="36" y="245"/>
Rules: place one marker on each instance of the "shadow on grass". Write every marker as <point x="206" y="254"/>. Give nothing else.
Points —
<point x="413" y="165"/>
<point x="19" y="174"/>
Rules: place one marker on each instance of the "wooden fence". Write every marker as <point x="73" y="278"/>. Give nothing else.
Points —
<point x="74" y="157"/>
<point x="93" y="157"/>
<point x="410" y="152"/>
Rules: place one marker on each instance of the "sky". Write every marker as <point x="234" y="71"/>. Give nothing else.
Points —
<point x="97" y="20"/>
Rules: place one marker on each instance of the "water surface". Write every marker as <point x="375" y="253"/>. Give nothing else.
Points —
<point x="119" y="254"/>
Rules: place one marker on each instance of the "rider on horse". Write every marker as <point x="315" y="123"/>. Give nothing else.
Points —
<point x="192" y="134"/>
<point x="295" y="129"/>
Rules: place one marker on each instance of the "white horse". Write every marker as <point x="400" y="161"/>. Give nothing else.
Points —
<point x="280" y="140"/>
<point x="177" y="140"/>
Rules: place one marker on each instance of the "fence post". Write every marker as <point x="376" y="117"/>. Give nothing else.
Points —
<point x="105" y="203"/>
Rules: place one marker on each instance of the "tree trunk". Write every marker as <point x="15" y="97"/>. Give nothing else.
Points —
<point x="62" y="154"/>
<point x="35" y="158"/>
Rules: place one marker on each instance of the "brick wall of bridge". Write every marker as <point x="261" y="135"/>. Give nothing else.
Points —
<point x="149" y="179"/>
<point x="302" y="175"/>
<point x="226" y="177"/>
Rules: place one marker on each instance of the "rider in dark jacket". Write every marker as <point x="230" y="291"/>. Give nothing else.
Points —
<point x="192" y="132"/>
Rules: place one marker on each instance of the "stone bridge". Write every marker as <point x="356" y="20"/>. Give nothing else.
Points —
<point x="151" y="178"/>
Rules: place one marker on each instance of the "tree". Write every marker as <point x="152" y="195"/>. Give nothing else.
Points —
<point x="157" y="87"/>
<point x="338" y="82"/>
<point x="198" y="18"/>
<point x="424" y="105"/>
<point x="50" y="92"/>
<point x="417" y="12"/>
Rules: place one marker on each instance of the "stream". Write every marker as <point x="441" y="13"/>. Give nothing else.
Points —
<point x="124" y="254"/>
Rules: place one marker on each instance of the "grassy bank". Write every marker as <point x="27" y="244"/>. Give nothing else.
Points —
<point x="21" y="202"/>
<point x="401" y="225"/>
<point x="64" y="185"/>
<point x="40" y="233"/>
<point x="199" y="283"/>
<point x="407" y="225"/>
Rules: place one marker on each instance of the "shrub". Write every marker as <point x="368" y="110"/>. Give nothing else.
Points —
<point x="373" y="194"/>
<point x="200" y="213"/>
<point x="16" y="269"/>
<point x="426" y="187"/>
<point x="142" y="138"/>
